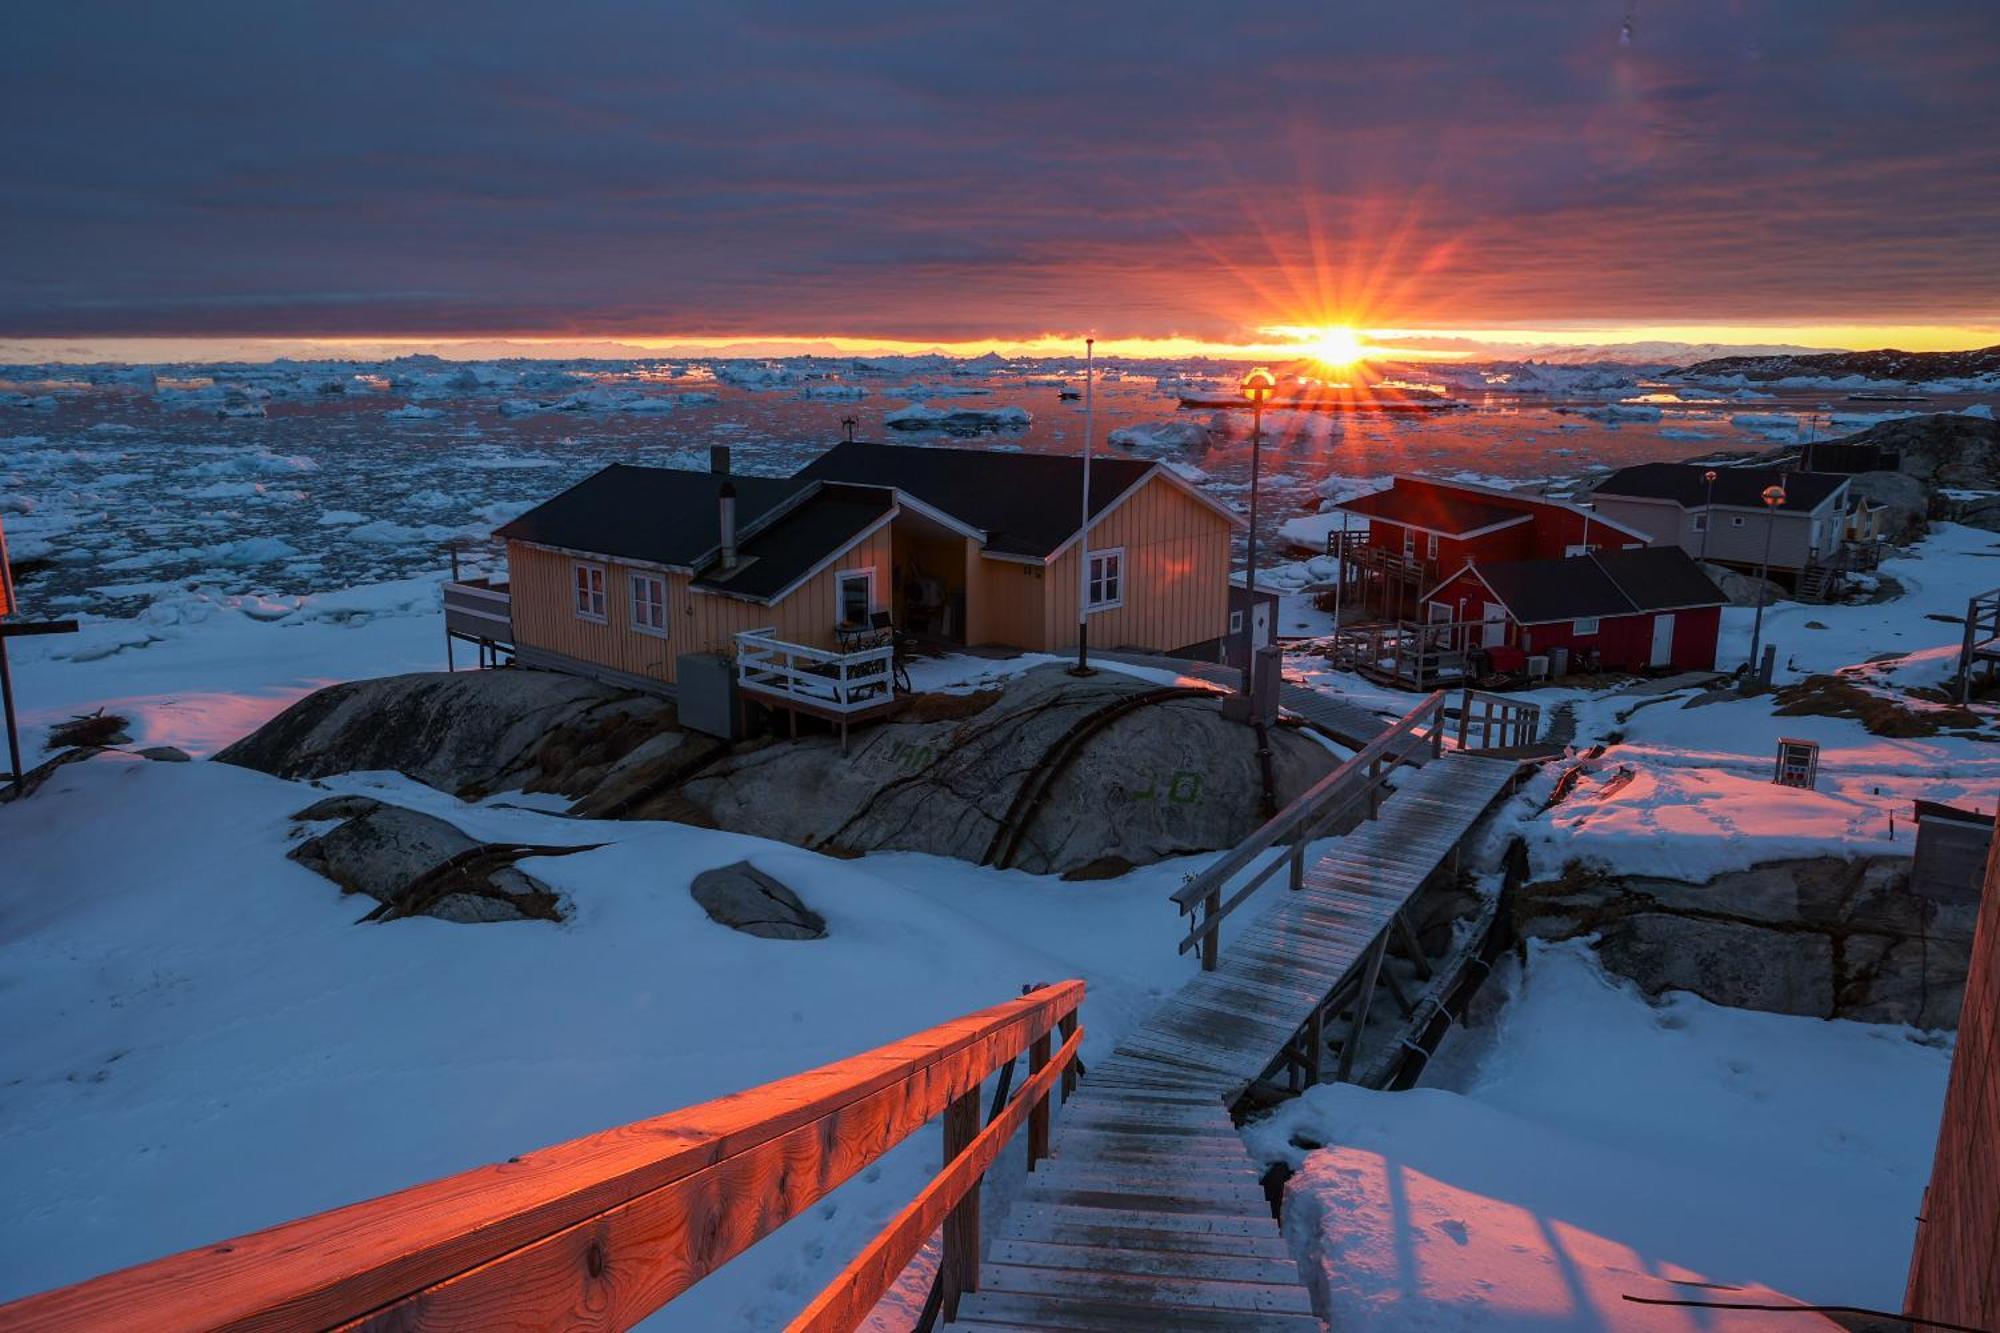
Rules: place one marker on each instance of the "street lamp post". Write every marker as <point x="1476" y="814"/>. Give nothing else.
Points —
<point x="1707" y="510"/>
<point x="1083" y="667"/>
<point x="1257" y="387"/>
<point x="1773" y="496"/>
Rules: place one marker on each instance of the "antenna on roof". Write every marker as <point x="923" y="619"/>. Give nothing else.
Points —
<point x="848" y="424"/>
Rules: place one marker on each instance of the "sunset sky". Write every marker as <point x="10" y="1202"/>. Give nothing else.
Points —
<point x="1168" y="177"/>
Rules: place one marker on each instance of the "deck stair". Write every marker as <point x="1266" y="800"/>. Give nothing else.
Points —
<point x="1150" y="1215"/>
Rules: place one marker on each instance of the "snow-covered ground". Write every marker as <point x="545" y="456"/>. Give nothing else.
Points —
<point x="197" y="1009"/>
<point x="1589" y="1145"/>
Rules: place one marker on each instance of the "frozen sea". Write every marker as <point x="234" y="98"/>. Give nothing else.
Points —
<point x="120" y="484"/>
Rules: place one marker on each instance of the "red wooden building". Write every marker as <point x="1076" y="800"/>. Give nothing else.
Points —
<point x="1624" y="610"/>
<point x="1420" y="530"/>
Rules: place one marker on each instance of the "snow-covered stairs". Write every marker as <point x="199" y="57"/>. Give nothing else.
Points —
<point x="1148" y="1216"/>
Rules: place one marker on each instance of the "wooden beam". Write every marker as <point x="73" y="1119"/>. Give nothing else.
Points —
<point x="615" y="1224"/>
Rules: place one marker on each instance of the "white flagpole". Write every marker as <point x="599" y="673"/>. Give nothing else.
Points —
<point x="1083" y="544"/>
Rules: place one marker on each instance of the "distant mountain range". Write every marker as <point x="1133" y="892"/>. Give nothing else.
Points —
<point x="1885" y="364"/>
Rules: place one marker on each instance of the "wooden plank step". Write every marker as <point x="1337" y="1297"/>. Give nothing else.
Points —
<point x="1142" y="1263"/>
<point x="1163" y="1293"/>
<point x="1120" y="1144"/>
<point x="1124" y="1201"/>
<point x="1039" y="1213"/>
<point x="1042" y="1231"/>
<point x="1239" y="1188"/>
<point x="996" y="1310"/>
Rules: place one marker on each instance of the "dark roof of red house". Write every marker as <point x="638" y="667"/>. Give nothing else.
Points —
<point x="1602" y="584"/>
<point x="1447" y="513"/>
<point x="1738" y="487"/>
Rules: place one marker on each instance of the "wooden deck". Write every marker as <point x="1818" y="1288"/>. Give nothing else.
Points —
<point x="1150" y="1215"/>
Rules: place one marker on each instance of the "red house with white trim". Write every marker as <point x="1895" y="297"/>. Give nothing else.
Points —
<point x="1623" y="610"/>
<point x="1420" y="530"/>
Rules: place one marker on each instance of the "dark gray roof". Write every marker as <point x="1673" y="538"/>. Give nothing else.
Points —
<point x="794" y="543"/>
<point x="1027" y="504"/>
<point x="1603" y="583"/>
<point x="1739" y="486"/>
<point x="664" y="515"/>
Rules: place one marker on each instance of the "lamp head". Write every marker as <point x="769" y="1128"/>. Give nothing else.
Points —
<point x="1774" y="496"/>
<point x="1258" y="385"/>
<point x="1709" y="476"/>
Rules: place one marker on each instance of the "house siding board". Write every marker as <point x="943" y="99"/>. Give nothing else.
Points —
<point x="697" y="622"/>
<point x="1004" y="603"/>
<point x="1790" y="530"/>
<point x="1176" y="575"/>
<point x="1955" y="1271"/>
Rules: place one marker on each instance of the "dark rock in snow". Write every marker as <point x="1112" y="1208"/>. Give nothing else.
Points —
<point x="744" y="898"/>
<point x="97" y="729"/>
<point x="337" y="807"/>
<point x="418" y="865"/>
<point x="468" y="732"/>
<point x="164" y="754"/>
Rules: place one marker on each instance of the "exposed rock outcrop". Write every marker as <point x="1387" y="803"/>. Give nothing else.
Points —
<point x="415" y="864"/>
<point x="744" y="898"/>
<point x="1165" y="779"/>
<point x="467" y="733"/>
<point x="1823" y="937"/>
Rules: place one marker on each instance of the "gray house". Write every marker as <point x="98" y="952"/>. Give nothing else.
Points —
<point x="1727" y="522"/>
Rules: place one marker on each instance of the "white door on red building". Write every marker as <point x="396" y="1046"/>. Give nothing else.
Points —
<point x="1663" y="641"/>
<point x="1493" y="629"/>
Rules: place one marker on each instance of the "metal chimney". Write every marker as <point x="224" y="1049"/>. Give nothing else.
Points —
<point x="718" y="459"/>
<point x="726" y="519"/>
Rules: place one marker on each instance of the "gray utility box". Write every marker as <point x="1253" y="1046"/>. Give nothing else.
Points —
<point x="707" y="694"/>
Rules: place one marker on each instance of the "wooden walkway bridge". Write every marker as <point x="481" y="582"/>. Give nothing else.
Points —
<point x="1149" y="1215"/>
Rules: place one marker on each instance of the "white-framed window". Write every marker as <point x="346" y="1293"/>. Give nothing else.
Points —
<point x="1409" y="543"/>
<point x="649" y="604"/>
<point x="1235" y="622"/>
<point x="588" y="587"/>
<point x="1585" y="626"/>
<point x="1736" y="520"/>
<point x="1107" y="579"/>
<point x="1431" y="546"/>
<point x="853" y="596"/>
<point x="1701" y="522"/>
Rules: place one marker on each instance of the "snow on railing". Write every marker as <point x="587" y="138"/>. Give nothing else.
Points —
<point x="827" y="680"/>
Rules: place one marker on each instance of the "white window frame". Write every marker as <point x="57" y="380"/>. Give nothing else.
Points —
<point x="1409" y="543"/>
<point x="1111" y="559"/>
<point x="1701" y="522"/>
<point x="1736" y="520"/>
<point x="1587" y="626"/>
<point x="840" y="581"/>
<point x="588" y="590"/>
<point x="633" y="587"/>
<point x="1431" y="546"/>
<point x="1235" y="622"/>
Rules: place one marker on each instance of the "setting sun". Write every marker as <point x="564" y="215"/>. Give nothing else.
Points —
<point x="1337" y="347"/>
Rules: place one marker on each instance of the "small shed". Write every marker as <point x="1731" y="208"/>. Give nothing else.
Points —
<point x="1951" y="852"/>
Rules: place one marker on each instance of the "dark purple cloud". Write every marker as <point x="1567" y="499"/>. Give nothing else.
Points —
<point x="956" y="171"/>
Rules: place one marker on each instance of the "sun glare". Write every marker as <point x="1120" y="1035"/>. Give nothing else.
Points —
<point x="1337" y="347"/>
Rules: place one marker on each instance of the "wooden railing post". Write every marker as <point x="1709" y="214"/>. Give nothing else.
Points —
<point x="958" y="1270"/>
<point x="1464" y="715"/>
<point x="1211" y="943"/>
<point x="1038" y="1118"/>
<point x="1066" y="1027"/>
<point x="1299" y="862"/>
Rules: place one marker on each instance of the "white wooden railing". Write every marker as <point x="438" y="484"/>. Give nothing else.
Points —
<point x="827" y="680"/>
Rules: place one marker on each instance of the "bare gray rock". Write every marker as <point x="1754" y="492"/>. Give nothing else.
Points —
<point x="1907" y="501"/>
<point x="1823" y="937"/>
<point x="1741" y="588"/>
<point x="415" y="864"/>
<point x="165" y="754"/>
<point x="744" y="898"/>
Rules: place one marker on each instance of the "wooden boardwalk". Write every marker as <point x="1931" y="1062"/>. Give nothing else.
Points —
<point x="1150" y="1215"/>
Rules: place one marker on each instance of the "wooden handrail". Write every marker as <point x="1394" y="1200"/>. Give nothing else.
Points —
<point x="598" y="1232"/>
<point x="1358" y="779"/>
